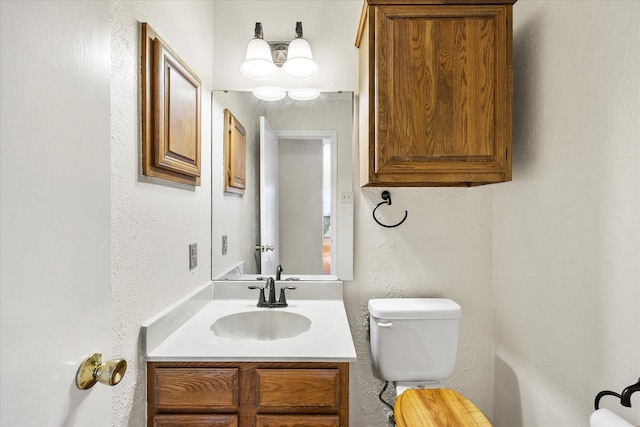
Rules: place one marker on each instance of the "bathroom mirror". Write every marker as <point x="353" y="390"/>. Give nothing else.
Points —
<point x="306" y="177"/>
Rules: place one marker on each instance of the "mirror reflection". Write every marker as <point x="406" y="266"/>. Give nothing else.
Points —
<point x="304" y="217"/>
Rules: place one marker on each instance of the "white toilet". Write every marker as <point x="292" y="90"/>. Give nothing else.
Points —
<point x="414" y="343"/>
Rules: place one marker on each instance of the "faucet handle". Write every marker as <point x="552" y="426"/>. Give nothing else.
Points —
<point x="261" y="299"/>
<point x="282" y="301"/>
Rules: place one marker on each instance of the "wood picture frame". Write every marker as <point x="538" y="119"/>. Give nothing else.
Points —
<point x="171" y="113"/>
<point x="235" y="154"/>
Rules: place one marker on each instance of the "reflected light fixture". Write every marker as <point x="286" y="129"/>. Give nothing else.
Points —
<point x="269" y="94"/>
<point x="303" y="95"/>
<point x="258" y="63"/>
<point x="263" y="58"/>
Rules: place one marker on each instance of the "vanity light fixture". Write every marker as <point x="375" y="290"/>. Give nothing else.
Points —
<point x="263" y="58"/>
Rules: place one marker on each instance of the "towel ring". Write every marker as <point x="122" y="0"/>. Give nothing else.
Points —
<point x="602" y="394"/>
<point x="386" y="200"/>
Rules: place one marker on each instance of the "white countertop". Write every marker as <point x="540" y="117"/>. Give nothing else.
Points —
<point x="328" y="339"/>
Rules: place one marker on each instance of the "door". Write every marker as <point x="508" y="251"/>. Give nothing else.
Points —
<point x="55" y="207"/>
<point x="269" y="211"/>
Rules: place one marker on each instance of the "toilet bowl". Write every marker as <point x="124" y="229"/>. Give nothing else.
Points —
<point x="414" y="343"/>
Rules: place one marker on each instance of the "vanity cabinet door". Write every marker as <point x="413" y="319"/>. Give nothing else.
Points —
<point x="435" y="93"/>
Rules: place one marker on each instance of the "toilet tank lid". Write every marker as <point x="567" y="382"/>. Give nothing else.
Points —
<point x="414" y="308"/>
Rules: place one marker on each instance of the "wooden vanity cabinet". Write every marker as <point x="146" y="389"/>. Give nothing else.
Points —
<point x="247" y="394"/>
<point x="435" y="92"/>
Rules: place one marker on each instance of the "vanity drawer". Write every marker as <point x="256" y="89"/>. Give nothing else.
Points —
<point x="297" y="421"/>
<point x="195" y="421"/>
<point x="298" y="389"/>
<point x="195" y="389"/>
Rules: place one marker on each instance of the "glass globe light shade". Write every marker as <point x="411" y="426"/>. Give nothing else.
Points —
<point x="258" y="64"/>
<point x="300" y="63"/>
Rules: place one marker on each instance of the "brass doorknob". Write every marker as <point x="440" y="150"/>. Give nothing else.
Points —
<point x="93" y="370"/>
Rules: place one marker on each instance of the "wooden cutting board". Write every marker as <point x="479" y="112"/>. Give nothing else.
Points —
<point x="440" y="407"/>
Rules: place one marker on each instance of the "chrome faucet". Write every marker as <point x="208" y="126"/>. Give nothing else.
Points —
<point x="271" y="302"/>
<point x="279" y="271"/>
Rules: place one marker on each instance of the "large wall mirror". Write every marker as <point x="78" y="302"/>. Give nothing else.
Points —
<point x="297" y="211"/>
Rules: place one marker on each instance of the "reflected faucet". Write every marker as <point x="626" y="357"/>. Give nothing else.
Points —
<point x="279" y="271"/>
<point x="625" y="397"/>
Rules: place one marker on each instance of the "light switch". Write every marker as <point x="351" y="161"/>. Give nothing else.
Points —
<point x="224" y="244"/>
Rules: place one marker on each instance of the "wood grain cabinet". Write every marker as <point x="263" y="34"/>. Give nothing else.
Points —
<point x="435" y="92"/>
<point x="247" y="394"/>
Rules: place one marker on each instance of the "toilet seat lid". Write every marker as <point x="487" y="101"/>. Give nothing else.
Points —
<point x="415" y="408"/>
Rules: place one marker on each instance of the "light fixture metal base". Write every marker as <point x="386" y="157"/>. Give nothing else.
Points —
<point x="279" y="52"/>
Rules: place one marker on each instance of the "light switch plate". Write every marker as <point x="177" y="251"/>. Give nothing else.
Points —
<point x="193" y="256"/>
<point x="224" y="244"/>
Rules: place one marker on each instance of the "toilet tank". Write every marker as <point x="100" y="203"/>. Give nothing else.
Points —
<point x="414" y="339"/>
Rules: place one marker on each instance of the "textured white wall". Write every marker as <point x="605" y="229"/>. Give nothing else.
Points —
<point x="153" y="221"/>
<point x="567" y="229"/>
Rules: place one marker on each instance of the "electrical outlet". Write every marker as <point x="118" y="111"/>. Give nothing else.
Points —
<point x="224" y="244"/>
<point x="193" y="256"/>
<point x="346" y="197"/>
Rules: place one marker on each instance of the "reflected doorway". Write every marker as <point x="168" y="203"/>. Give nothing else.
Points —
<point x="305" y="202"/>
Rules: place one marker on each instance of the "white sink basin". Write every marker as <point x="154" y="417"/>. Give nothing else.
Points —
<point x="261" y="325"/>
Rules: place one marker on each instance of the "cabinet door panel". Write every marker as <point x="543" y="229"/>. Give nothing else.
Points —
<point x="298" y="388"/>
<point x="195" y="421"/>
<point x="436" y="92"/>
<point x="297" y="421"/>
<point x="440" y="76"/>
<point x="196" y="388"/>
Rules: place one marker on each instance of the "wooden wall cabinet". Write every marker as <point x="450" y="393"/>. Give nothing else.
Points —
<point x="170" y="113"/>
<point x="435" y="92"/>
<point x="247" y="394"/>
